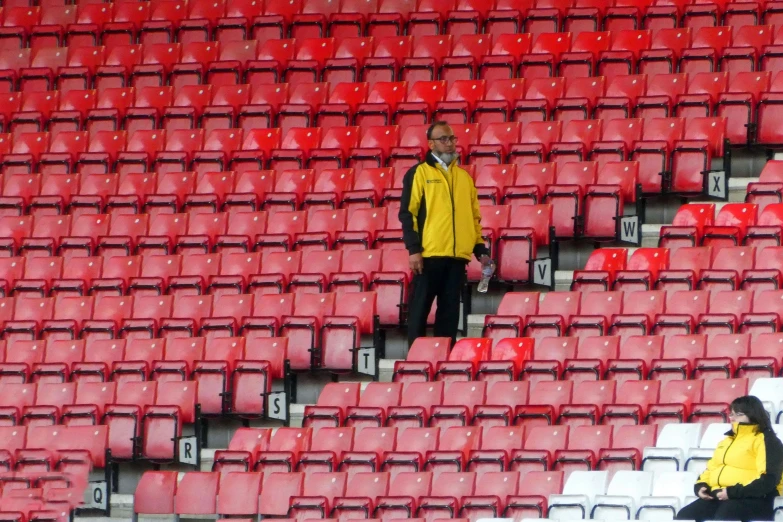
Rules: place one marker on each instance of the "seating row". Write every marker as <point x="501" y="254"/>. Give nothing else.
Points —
<point x="734" y="224"/>
<point x="453" y="449"/>
<point x="522" y="233"/>
<point x="507" y="403"/>
<point x="145" y="421"/>
<point x="317" y="323"/>
<point x="194" y="192"/>
<point x="377" y="272"/>
<point x="594" y="359"/>
<point x="653" y="312"/>
<point x="740" y="97"/>
<point x="673" y="155"/>
<point x="585" y="201"/>
<point x="209" y="274"/>
<point x="147" y="195"/>
<point x="214" y="274"/>
<point x="265" y="105"/>
<point x="474" y="449"/>
<point x="339" y="147"/>
<point x="392" y="58"/>
<point x="363" y="495"/>
<point x="446" y="57"/>
<point x="236" y="385"/>
<point x="203" y="21"/>
<point x="94" y="361"/>
<point x="459" y="447"/>
<point x="677" y="267"/>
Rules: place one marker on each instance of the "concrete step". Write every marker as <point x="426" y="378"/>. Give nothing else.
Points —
<point x="738" y="187"/>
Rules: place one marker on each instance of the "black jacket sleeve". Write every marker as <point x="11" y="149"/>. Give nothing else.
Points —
<point x="770" y="468"/>
<point x="480" y="250"/>
<point x="410" y="237"/>
<point x="697" y="487"/>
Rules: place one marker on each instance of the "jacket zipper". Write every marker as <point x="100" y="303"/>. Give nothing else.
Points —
<point x="724" y="459"/>
<point x="453" y="213"/>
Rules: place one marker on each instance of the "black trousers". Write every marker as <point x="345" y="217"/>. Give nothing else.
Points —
<point x="744" y="509"/>
<point x="442" y="277"/>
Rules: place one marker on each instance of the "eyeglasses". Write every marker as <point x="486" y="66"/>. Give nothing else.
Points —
<point x="735" y="415"/>
<point x="445" y="140"/>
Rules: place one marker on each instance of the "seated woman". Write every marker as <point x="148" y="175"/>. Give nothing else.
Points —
<point x="743" y="477"/>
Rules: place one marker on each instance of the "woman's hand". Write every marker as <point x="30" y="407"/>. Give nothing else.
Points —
<point x="704" y="494"/>
<point x="721" y="494"/>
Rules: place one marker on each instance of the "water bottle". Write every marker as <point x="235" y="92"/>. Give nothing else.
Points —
<point x="487" y="269"/>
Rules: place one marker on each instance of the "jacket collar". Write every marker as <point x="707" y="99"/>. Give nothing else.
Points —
<point x="430" y="160"/>
<point x="741" y="428"/>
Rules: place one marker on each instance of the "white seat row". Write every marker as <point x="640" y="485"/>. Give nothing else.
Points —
<point x="686" y="447"/>
<point x="630" y="495"/>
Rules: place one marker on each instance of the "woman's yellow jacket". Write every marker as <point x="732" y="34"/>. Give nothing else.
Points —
<point x="747" y="463"/>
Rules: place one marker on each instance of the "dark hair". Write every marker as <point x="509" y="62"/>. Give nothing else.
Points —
<point x="434" y="126"/>
<point x="752" y="407"/>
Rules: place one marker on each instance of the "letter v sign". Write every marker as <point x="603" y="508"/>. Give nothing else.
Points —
<point x="542" y="273"/>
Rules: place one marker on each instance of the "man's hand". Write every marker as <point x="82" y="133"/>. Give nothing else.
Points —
<point x="704" y="494"/>
<point x="416" y="262"/>
<point x="722" y="495"/>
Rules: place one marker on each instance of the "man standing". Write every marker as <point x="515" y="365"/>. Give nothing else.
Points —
<point x="440" y="218"/>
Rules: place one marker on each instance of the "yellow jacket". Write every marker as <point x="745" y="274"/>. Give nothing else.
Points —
<point x="746" y="463"/>
<point x="439" y="212"/>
